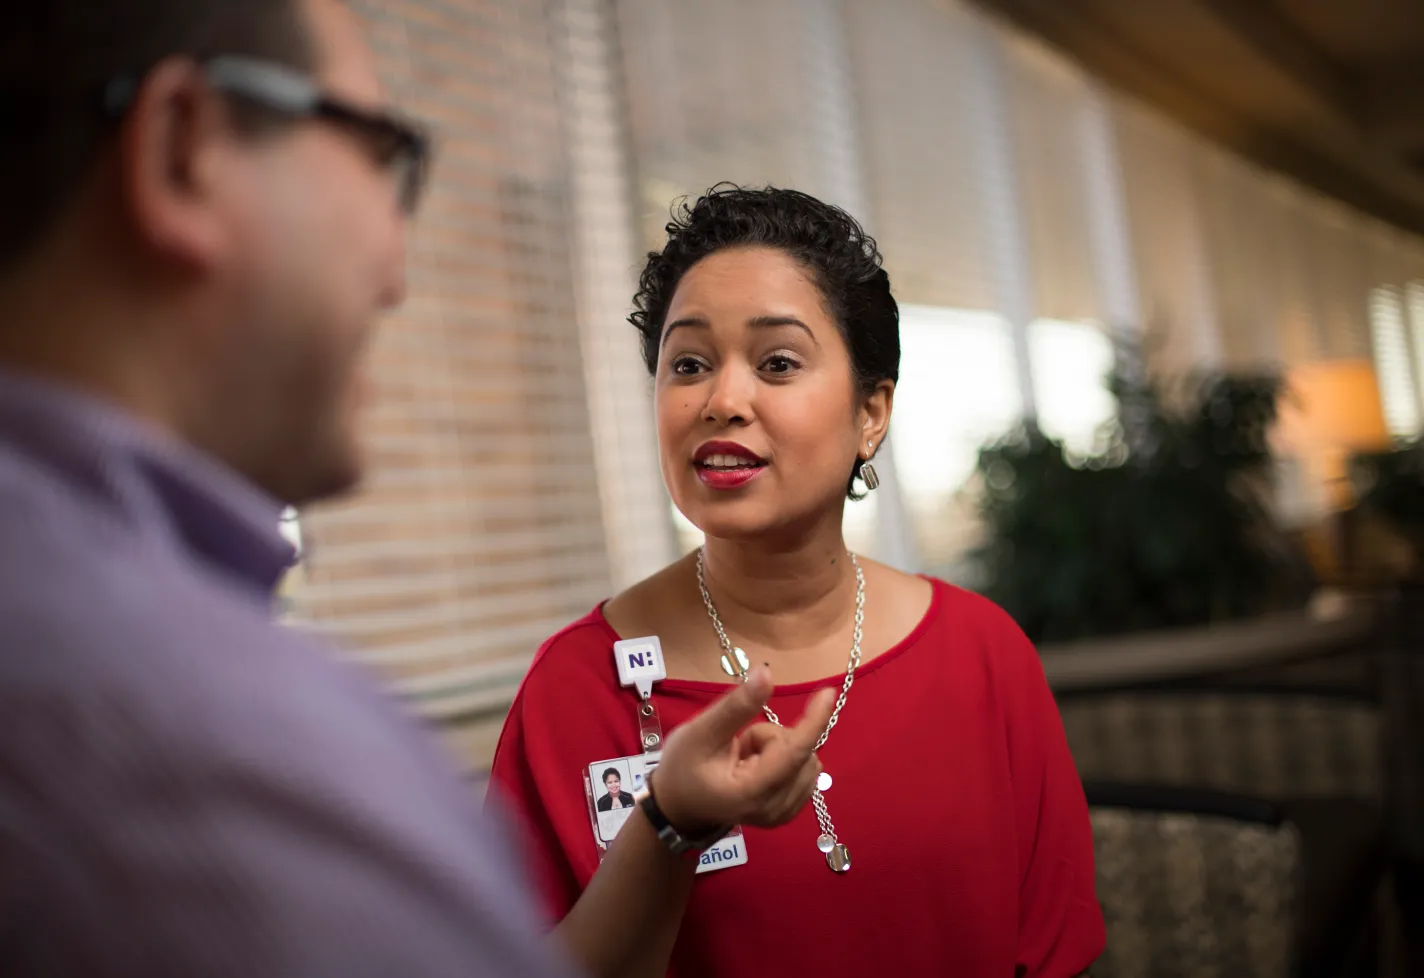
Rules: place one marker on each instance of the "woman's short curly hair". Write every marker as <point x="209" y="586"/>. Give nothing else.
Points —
<point x="841" y="259"/>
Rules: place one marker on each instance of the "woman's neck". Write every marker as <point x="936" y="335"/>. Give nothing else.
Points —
<point x="778" y="598"/>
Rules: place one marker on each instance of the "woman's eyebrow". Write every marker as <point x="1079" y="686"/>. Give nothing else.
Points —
<point x="761" y="322"/>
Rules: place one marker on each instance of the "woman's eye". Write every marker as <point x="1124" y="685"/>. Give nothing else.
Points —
<point x="779" y="365"/>
<point x="686" y="366"/>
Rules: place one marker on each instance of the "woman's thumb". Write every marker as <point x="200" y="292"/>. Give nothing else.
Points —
<point x="719" y="724"/>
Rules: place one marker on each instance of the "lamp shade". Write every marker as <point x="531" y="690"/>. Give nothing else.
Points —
<point x="1334" y="407"/>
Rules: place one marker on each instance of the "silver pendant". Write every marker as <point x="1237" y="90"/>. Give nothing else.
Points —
<point x="838" y="859"/>
<point x="743" y="664"/>
<point x="826" y="843"/>
<point x="823" y="782"/>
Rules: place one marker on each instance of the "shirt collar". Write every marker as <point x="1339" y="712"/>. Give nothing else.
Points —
<point x="164" y="486"/>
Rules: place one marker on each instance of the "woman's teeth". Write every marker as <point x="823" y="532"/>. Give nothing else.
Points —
<point x="728" y="462"/>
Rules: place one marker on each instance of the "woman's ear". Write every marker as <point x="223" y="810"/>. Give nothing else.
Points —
<point x="875" y="416"/>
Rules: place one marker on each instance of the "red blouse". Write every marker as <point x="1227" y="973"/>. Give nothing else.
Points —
<point x="953" y="789"/>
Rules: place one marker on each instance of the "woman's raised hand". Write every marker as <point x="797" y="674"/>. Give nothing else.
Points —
<point x="721" y="768"/>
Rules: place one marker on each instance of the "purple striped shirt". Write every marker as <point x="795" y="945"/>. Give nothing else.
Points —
<point x="185" y="787"/>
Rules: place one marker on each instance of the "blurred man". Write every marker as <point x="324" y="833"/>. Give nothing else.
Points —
<point x="204" y="207"/>
<point x="204" y="210"/>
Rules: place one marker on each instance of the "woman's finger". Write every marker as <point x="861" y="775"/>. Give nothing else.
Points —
<point x="781" y="805"/>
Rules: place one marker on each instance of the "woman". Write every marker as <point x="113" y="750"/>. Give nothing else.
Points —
<point x="949" y="833"/>
<point x="614" y="797"/>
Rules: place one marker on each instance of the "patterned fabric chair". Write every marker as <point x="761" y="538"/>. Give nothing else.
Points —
<point x="1317" y="759"/>
<point x="1280" y="744"/>
<point x="1194" y="884"/>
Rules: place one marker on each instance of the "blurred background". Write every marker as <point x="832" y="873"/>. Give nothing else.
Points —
<point x="1161" y="274"/>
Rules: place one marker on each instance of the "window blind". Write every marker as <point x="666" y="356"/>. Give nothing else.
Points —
<point x="944" y="204"/>
<point x="923" y="119"/>
<point x="479" y="531"/>
<point x="1243" y="267"/>
<point x="514" y="470"/>
<point x="1414" y="310"/>
<point x="958" y="390"/>
<point x="733" y="90"/>
<point x="1297" y="315"/>
<point x="1049" y="101"/>
<point x="749" y="91"/>
<point x="1243" y="240"/>
<point x="1391" y="345"/>
<point x="1344" y="280"/>
<point x="606" y="252"/>
<point x="1168" y="247"/>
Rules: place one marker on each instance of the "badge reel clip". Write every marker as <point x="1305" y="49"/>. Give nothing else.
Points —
<point x="640" y="664"/>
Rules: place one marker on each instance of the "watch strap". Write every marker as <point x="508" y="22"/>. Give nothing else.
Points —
<point x="675" y="841"/>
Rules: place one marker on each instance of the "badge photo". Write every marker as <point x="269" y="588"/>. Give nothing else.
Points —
<point x="613" y="783"/>
<point x="610" y="786"/>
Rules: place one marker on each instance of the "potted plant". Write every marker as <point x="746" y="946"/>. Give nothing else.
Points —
<point x="1167" y="525"/>
<point x="1390" y="486"/>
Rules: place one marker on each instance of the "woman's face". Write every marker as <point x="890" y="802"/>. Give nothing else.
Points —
<point x="759" y="419"/>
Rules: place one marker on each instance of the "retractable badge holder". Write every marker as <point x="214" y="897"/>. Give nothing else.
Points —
<point x="640" y="664"/>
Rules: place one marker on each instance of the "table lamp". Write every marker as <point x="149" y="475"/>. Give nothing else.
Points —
<point x="1331" y="411"/>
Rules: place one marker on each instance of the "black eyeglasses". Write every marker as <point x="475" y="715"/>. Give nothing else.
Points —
<point x="399" y="145"/>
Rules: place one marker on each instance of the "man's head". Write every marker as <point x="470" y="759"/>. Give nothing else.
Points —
<point x="207" y="220"/>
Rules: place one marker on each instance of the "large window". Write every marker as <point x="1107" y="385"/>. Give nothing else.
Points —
<point x="1071" y="362"/>
<point x="1392" y="362"/>
<point x="1414" y="306"/>
<point x="514" y="473"/>
<point x="958" y="389"/>
<point x="479" y="531"/>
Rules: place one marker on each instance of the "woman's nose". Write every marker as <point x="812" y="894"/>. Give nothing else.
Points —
<point x="729" y="400"/>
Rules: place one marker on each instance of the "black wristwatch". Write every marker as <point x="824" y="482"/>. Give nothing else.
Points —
<point x="676" y="842"/>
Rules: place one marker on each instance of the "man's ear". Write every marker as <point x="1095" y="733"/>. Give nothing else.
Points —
<point x="170" y="157"/>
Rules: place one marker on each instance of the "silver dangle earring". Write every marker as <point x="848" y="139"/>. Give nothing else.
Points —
<point x="868" y="474"/>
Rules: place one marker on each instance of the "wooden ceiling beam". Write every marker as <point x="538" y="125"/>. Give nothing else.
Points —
<point x="1260" y="26"/>
<point x="1392" y="104"/>
<point x="1088" y="35"/>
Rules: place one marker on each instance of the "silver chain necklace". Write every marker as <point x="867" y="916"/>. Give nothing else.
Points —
<point x="735" y="663"/>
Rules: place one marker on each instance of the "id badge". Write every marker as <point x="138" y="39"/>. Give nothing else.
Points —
<point x="610" y="786"/>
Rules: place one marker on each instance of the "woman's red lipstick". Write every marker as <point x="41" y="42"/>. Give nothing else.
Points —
<point x="727" y="465"/>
